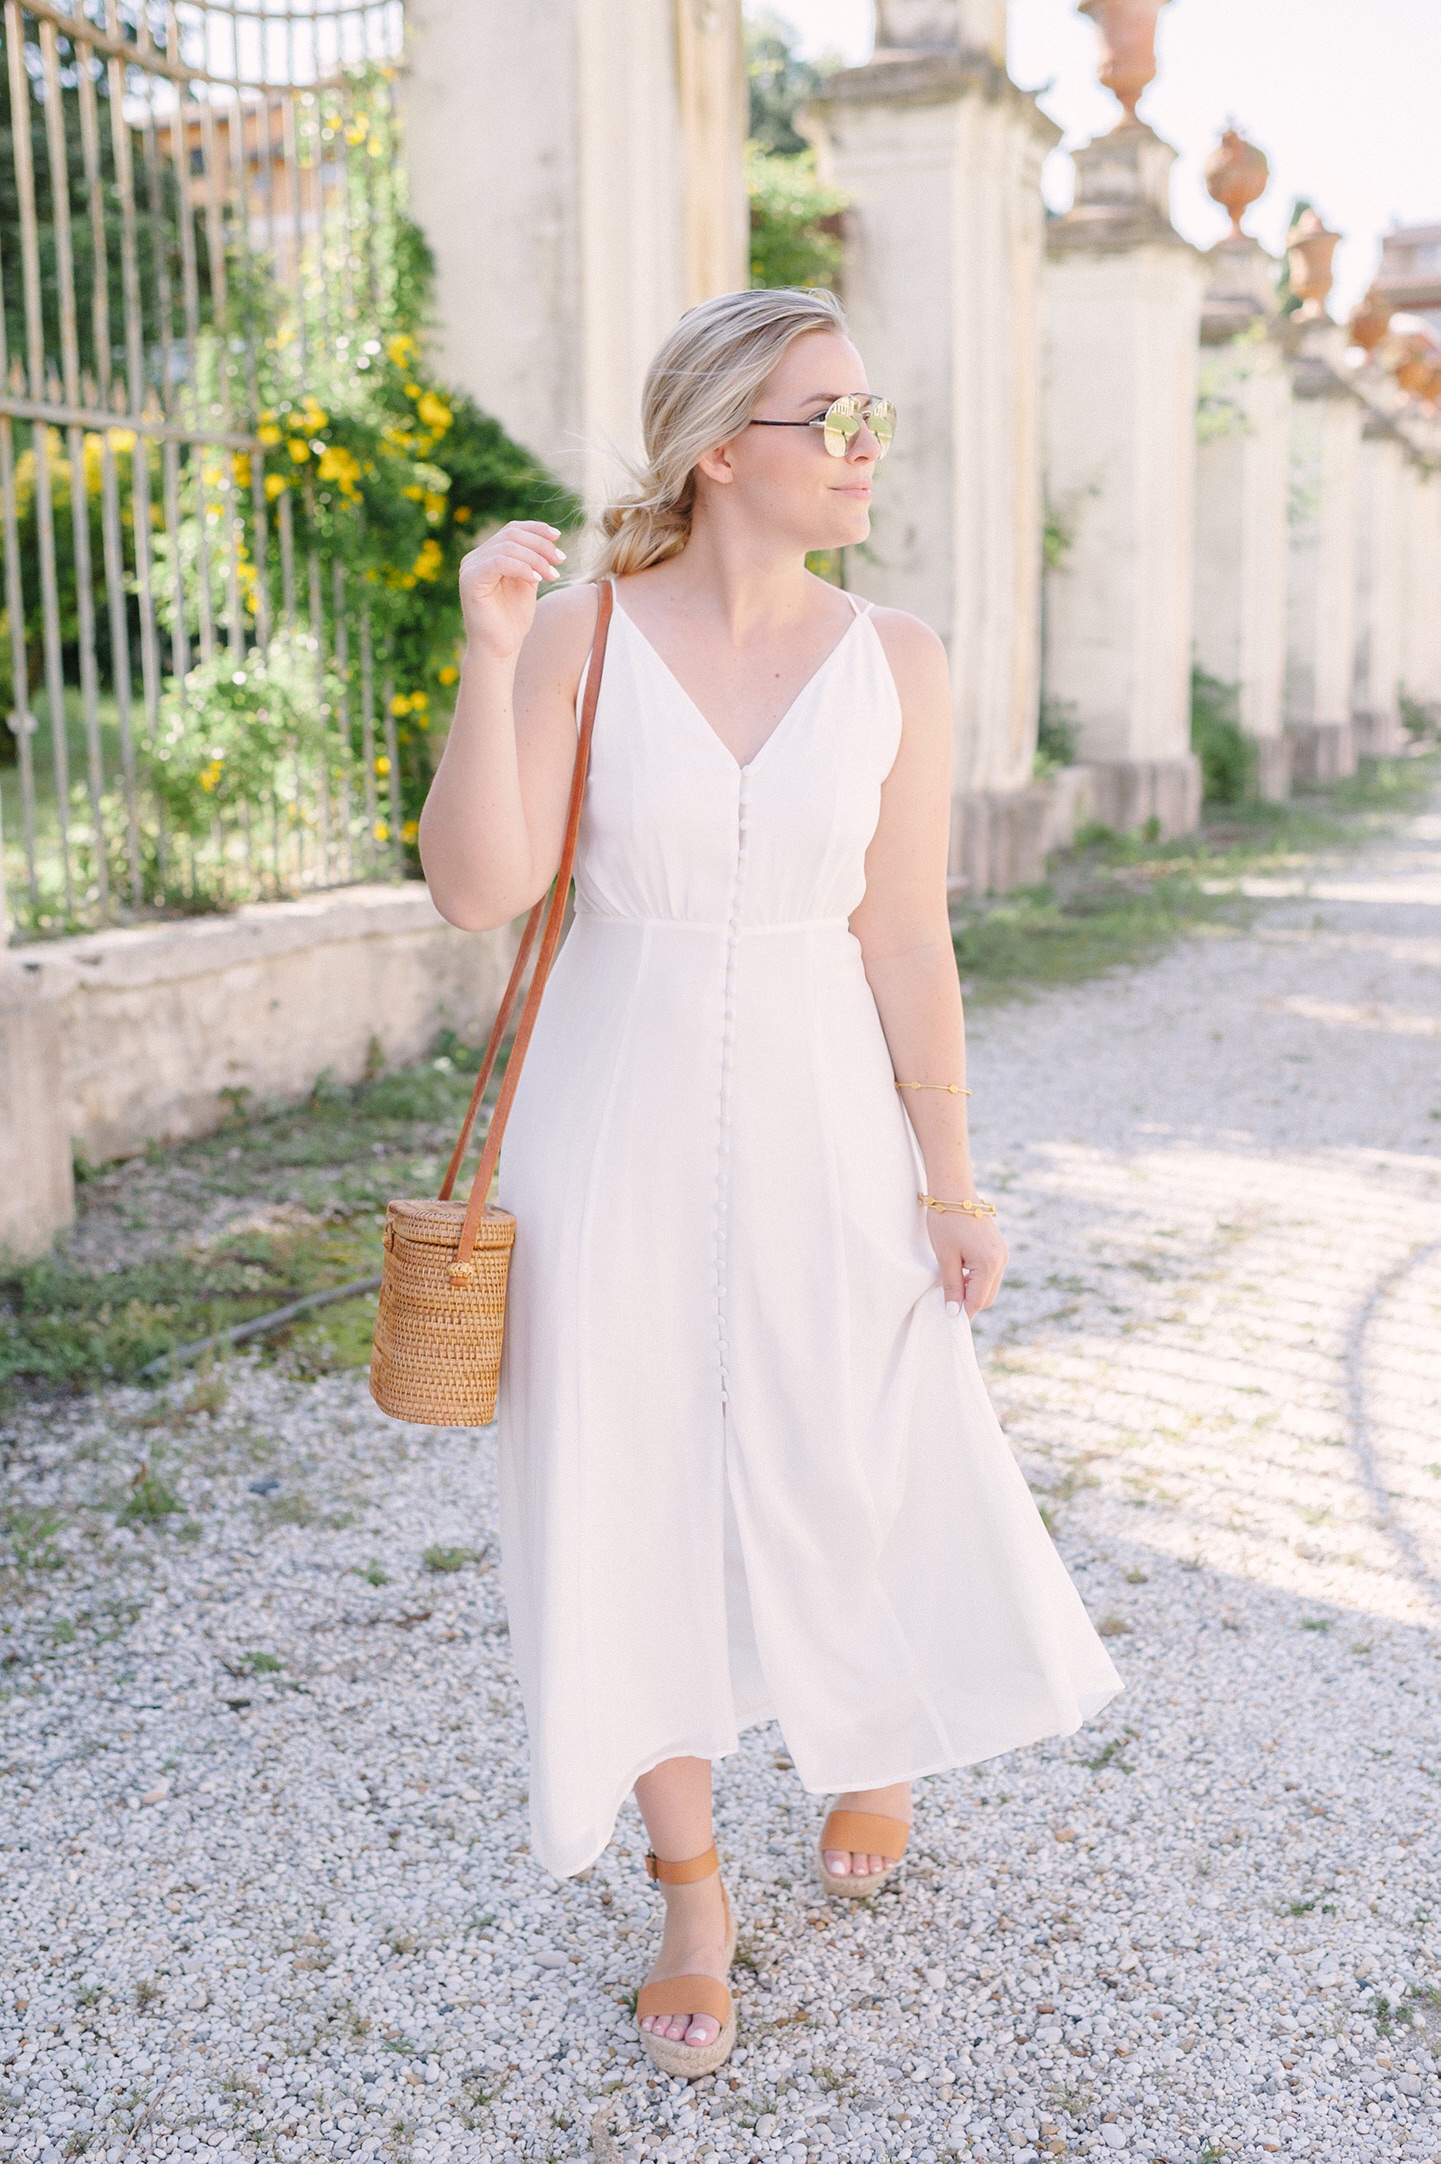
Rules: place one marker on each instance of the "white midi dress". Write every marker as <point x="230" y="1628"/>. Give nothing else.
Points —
<point x="748" y="1466"/>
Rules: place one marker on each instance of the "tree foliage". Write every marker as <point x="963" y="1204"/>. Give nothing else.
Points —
<point x="796" y="222"/>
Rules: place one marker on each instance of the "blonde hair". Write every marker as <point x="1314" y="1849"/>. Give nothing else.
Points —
<point x="700" y="390"/>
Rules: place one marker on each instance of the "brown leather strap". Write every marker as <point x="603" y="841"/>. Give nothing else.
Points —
<point x="684" y="1995"/>
<point x="485" y="1170"/>
<point x="682" y="1874"/>
<point x="865" y="1833"/>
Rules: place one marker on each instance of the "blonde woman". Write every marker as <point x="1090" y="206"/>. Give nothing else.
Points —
<point x="748" y="1467"/>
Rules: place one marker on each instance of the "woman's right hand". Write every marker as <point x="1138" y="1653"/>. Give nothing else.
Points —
<point x="499" y="582"/>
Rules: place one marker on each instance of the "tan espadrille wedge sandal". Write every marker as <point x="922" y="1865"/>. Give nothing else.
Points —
<point x="689" y="1994"/>
<point x="861" y="1833"/>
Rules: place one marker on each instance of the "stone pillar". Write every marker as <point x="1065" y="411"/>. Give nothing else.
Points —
<point x="37" y="1191"/>
<point x="577" y="170"/>
<point x="940" y="155"/>
<point x="1380" y="590"/>
<point x="1326" y="423"/>
<point x="1242" y="451"/>
<point x="1420" y="665"/>
<point x="1123" y="297"/>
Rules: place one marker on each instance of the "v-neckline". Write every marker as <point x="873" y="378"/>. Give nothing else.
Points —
<point x="857" y="617"/>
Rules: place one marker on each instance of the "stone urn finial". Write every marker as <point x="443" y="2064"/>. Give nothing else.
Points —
<point x="1309" y="249"/>
<point x="1370" y="320"/>
<point x="1127" y="30"/>
<point x="1412" y="352"/>
<point x="1236" y="173"/>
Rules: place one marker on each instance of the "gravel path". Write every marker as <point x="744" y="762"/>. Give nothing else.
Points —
<point x="265" y="1889"/>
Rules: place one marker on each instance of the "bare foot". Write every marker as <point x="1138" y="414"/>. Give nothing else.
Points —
<point x="892" y="1802"/>
<point x="693" y="1944"/>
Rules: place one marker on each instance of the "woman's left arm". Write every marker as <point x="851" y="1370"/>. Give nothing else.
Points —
<point x="904" y="931"/>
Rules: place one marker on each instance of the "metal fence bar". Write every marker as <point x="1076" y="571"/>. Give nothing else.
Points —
<point x="58" y="152"/>
<point x="228" y="129"/>
<point x="21" y="719"/>
<point x="40" y="435"/>
<point x="112" y="539"/>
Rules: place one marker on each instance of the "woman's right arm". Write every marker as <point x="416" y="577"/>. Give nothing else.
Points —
<point x="494" y="821"/>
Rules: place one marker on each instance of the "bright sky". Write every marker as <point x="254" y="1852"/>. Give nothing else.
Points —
<point x="1342" y="95"/>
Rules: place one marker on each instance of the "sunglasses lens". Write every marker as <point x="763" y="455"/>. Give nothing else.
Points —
<point x="843" y="424"/>
<point x="842" y="427"/>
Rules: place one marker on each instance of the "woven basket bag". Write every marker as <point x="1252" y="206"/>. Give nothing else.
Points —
<point x="441" y="1316"/>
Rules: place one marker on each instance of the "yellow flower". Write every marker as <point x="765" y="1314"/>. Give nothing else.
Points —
<point x="462" y="513"/>
<point x="275" y="485"/>
<point x="429" y="563"/>
<point x="400" y="348"/>
<point x="418" y="702"/>
<point x="299" y="450"/>
<point x="434" y="508"/>
<point x="122" y="439"/>
<point x="269" y="434"/>
<point x="338" y="464"/>
<point x="400" y="704"/>
<point x="450" y="674"/>
<point x="313" y="418"/>
<point x="382" y="765"/>
<point x="242" y="470"/>
<point x="412" y="390"/>
<point x="435" y="413"/>
<point x="358" y="130"/>
<point x="382" y="831"/>
<point x="210" y="775"/>
<point x="409" y="831"/>
<point x="415" y="492"/>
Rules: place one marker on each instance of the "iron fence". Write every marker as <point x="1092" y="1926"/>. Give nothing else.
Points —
<point x="193" y="199"/>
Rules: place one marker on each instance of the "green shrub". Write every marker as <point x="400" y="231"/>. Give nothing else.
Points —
<point x="1226" y="753"/>
<point x="795" y="222"/>
<point x="1056" y="735"/>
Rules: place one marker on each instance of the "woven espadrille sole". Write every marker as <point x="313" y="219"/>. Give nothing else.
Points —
<point x="688" y="2062"/>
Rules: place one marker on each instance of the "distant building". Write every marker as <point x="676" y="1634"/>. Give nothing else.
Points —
<point x="1410" y="271"/>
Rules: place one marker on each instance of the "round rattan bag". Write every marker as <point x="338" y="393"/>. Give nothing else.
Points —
<point x="438" y="1328"/>
<point x="440" y="1322"/>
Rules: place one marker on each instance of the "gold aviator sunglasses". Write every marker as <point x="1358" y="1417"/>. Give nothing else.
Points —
<point x="841" y="423"/>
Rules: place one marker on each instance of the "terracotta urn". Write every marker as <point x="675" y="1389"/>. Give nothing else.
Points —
<point x="1370" y="320"/>
<point x="1127" y="30"/>
<point x="1236" y="173"/>
<point x="1420" y="374"/>
<point x="1412" y="352"/>
<point x="1309" y="249"/>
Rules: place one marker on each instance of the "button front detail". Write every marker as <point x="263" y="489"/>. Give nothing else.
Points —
<point x="727" y="1041"/>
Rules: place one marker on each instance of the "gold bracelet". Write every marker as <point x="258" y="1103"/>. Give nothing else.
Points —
<point x="974" y="1208"/>
<point x="954" y="1089"/>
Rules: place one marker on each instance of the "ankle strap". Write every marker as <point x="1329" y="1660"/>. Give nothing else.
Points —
<point x="681" y="1874"/>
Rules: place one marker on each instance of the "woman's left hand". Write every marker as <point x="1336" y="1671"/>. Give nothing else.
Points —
<point x="972" y="1256"/>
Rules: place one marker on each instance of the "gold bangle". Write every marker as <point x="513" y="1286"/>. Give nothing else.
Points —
<point x="954" y="1089"/>
<point x="974" y="1208"/>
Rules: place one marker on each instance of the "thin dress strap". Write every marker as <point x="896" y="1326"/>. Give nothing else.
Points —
<point x="860" y="606"/>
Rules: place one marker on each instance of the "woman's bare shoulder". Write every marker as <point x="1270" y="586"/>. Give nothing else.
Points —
<point x="916" y="654"/>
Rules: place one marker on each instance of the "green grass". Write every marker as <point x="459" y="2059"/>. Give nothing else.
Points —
<point x="326" y="1166"/>
<point x="1121" y="899"/>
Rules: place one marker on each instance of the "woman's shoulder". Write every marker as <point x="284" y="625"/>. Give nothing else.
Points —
<point x="917" y="655"/>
